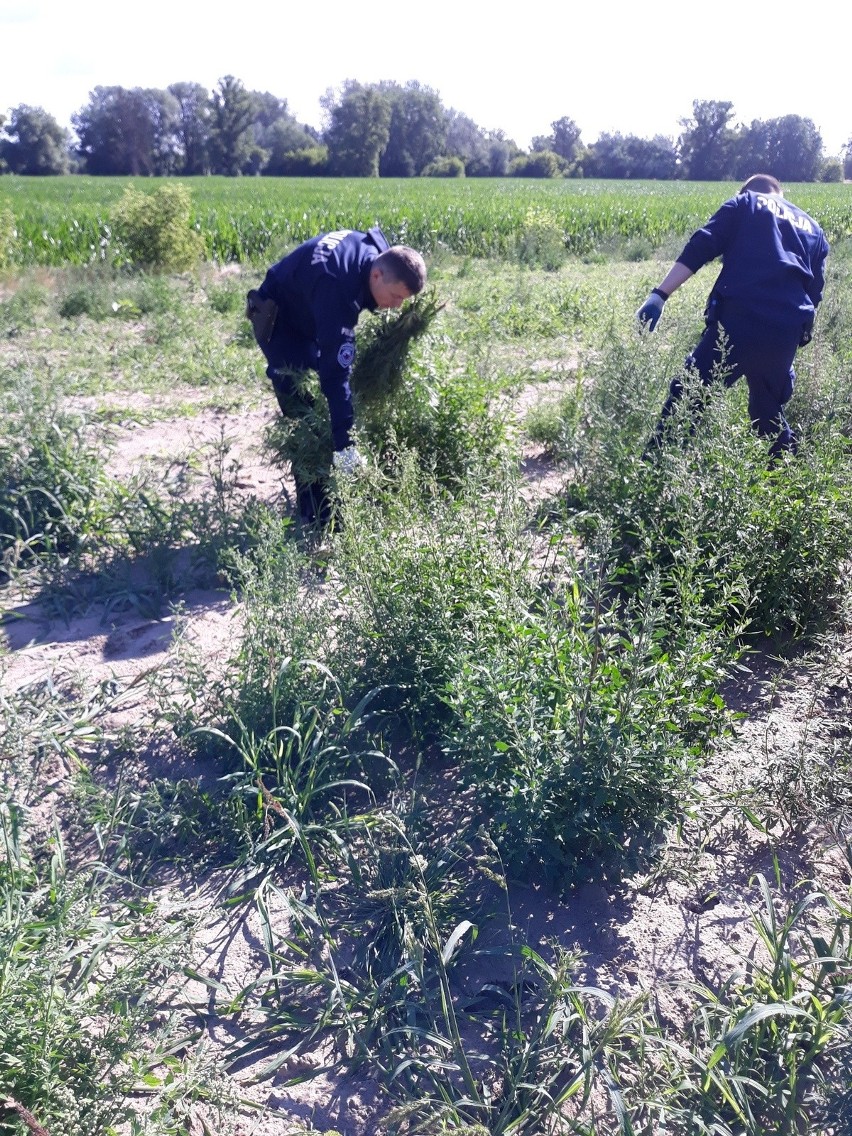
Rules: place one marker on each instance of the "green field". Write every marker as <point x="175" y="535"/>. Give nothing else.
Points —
<point x="66" y="220"/>
<point x="519" y="804"/>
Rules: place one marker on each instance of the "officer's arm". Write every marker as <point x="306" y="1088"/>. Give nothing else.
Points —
<point x="712" y="239"/>
<point x="678" y="274"/>
<point x="817" y="285"/>
<point x="336" y="339"/>
<point x="650" y="312"/>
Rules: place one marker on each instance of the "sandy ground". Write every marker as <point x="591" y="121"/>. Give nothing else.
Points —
<point x="692" y="922"/>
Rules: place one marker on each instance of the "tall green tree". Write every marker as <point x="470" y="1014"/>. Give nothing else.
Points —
<point x="35" y="143"/>
<point x="358" y="129"/>
<point x="233" y="147"/>
<point x="628" y="156"/>
<point x="193" y="126"/>
<point x="466" y="140"/>
<point x="563" y="140"/>
<point x="124" y="131"/>
<point x="280" y="136"/>
<point x="417" y="132"/>
<point x="708" y="144"/>
<point x="291" y="148"/>
<point x="790" y="148"/>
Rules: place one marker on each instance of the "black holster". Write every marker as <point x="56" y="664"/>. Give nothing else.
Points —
<point x="261" y="314"/>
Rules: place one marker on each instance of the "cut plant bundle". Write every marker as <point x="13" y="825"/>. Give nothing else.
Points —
<point x="383" y="353"/>
<point x="304" y="440"/>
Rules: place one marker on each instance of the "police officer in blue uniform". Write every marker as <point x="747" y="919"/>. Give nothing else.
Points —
<point x="764" y="301"/>
<point x="304" y="316"/>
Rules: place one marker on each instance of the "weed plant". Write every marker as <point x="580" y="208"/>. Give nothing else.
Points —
<point x="300" y="773"/>
<point x="421" y="402"/>
<point x="767" y="1050"/>
<point x="427" y="579"/>
<point x="725" y="530"/>
<point x="103" y="293"/>
<point x="23" y="309"/>
<point x="583" y="725"/>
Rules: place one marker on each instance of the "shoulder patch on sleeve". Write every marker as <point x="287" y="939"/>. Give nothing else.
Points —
<point x="346" y="354"/>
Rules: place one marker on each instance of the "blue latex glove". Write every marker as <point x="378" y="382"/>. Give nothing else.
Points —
<point x="650" y="312"/>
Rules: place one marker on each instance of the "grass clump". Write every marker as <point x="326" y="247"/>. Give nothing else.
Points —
<point x="71" y="1016"/>
<point x="103" y="294"/>
<point x="55" y="497"/>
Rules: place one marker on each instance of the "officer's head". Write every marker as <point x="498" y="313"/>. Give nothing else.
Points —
<point x="763" y="183"/>
<point x="396" y="275"/>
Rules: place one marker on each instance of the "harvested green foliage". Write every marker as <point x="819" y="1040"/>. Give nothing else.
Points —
<point x="384" y="348"/>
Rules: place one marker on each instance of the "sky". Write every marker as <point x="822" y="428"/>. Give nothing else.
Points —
<point x="611" y="65"/>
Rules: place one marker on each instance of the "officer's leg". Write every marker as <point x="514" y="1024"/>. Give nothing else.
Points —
<point x="766" y="401"/>
<point x="766" y="355"/>
<point x="289" y="355"/>
<point x="710" y="360"/>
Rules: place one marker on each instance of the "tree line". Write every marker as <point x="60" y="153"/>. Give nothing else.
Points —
<point x="386" y="129"/>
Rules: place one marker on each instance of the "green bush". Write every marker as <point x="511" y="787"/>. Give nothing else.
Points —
<point x="582" y="725"/>
<point x="446" y="167"/>
<point x="539" y="164"/>
<point x="155" y="230"/>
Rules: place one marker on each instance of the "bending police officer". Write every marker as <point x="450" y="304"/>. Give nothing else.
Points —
<point x="304" y="316"/>
<point x="764" y="301"/>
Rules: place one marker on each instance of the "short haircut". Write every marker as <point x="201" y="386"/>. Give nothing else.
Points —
<point x="762" y="183"/>
<point x="404" y="265"/>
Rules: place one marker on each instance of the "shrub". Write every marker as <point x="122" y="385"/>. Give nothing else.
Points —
<point x="832" y="170"/>
<point x="447" y="167"/>
<point x="155" y="229"/>
<point x="581" y="725"/>
<point x="540" y="164"/>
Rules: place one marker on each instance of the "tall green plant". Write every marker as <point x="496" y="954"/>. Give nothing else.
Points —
<point x="155" y="229"/>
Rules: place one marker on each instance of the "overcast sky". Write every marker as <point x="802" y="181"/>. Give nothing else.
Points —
<point x="611" y="65"/>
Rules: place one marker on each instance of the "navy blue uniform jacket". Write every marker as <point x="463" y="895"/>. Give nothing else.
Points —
<point x="321" y="288"/>
<point x="773" y="257"/>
